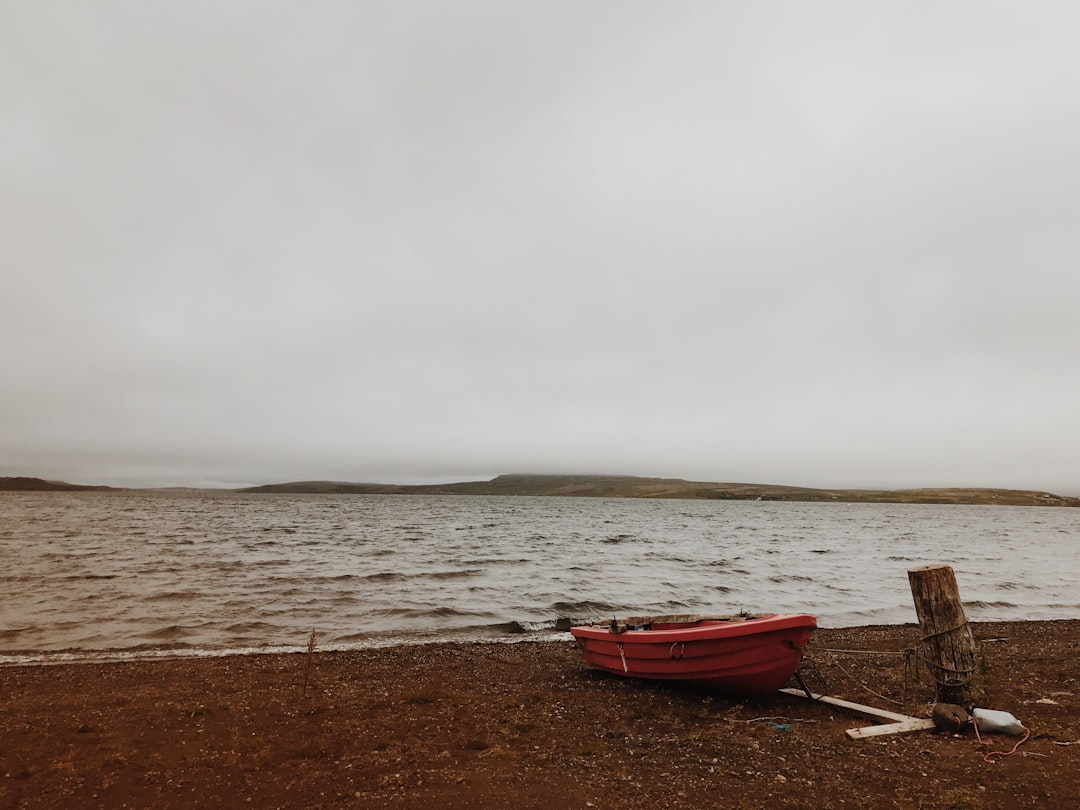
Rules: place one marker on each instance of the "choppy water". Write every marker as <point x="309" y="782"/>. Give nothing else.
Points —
<point x="82" y="573"/>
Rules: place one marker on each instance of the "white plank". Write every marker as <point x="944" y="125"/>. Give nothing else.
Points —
<point x="858" y="708"/>
<point x="914" y="724"/>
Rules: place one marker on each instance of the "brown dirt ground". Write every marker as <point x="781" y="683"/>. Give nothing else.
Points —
<point x="526" y="726"/>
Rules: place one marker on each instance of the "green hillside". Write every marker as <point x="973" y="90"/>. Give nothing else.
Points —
<point x="625" y="486"/>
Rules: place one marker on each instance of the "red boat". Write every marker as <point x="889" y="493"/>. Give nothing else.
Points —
<point x="747" y="654"/>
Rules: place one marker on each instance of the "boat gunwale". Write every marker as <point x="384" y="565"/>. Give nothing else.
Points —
<point x="705" y="629"/>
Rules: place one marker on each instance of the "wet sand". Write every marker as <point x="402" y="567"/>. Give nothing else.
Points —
<point x="526" y="725"/>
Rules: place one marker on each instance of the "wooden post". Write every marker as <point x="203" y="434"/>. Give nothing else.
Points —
<point x="947" y="646"/>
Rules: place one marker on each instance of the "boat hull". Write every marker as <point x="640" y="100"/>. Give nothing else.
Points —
<point x="748" y="656"/>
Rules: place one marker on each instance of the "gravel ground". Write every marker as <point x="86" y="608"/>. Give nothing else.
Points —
<point x="527" y="726"/>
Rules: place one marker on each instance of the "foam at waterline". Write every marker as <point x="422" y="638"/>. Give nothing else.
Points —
<point x="115" y="656"/>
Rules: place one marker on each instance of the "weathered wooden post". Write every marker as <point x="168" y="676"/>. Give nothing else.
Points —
<point x="947" y="645"/>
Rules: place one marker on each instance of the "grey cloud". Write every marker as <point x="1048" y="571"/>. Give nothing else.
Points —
<point x="809" y="245"/>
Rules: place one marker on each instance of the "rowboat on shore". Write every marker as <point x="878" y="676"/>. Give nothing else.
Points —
<point x="745" y="654"/>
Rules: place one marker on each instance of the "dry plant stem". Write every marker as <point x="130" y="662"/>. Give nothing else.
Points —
<point x="310" y="656"/>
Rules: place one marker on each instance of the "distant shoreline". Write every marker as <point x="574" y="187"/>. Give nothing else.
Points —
<point x="601" y="486"/>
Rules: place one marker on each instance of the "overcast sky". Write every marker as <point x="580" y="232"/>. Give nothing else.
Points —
<point x="826" y="244"/>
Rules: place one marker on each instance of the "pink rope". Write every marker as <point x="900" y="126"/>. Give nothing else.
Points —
<point x="999" y="754"/>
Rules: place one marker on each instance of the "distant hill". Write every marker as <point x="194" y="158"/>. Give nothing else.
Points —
<point x="615" y="486"/>
<point x="25" y="484"/>
<point x="626" y="486"/>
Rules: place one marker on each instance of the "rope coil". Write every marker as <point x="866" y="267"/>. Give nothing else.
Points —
<point x="963" y="674"/>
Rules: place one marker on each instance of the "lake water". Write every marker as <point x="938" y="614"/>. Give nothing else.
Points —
<point x="90" y="574"/>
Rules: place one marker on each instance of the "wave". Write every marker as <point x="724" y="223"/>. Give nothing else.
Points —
<point x="440" y="612"/>
<point x="462" y="574"/>
<point x="880" y="614"/>
<point x="583" y="608"/>
<point x="167" y="633"/>
<point x="1017" y="586"/>
<point x="173" y="596"/>
<point x="398" y="576"/>
<point x="980" y="604"/>
<point x="246" y="628"/>
<point x="385" y="576"/>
